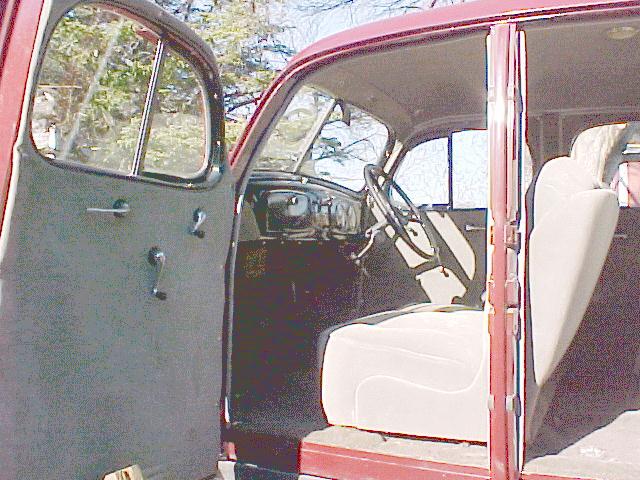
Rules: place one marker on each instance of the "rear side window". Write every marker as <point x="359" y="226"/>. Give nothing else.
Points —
<point x="112" y="97"/>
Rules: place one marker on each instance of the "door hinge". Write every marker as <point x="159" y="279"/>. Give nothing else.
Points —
<point x="512" y="403"/>
<point x="513" y="316"/>
<point x="512" y="237"/>
<point x="512" y="292"/>
<point x="491" y="402"/>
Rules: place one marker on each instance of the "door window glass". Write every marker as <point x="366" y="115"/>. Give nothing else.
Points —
<point x="450" y="171"/>
<point x="177" y="141"/>
<point x="469" y="162"/>
<point x="92" y="89"/>
<point x="424" y="173"/>
<point x="92" y="92"/>
<point x="627" y="184"/>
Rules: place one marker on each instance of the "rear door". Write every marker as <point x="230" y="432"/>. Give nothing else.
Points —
<point x="113" y="251"/>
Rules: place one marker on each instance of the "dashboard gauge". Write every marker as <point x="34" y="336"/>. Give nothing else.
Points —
<point x="288" y="211"/>
<point x="340" y="217"/>
<point x="293" y="210"/>
<point x="352" y="224"/>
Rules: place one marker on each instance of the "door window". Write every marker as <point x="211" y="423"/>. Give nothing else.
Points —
<point x="90" y="106"/>
<point x="424" y="173"/>
<point x="449" y="171"/>
<point x="177" y="140"/>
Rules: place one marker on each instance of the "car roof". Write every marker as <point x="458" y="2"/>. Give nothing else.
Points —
<point x="454" y="15"/>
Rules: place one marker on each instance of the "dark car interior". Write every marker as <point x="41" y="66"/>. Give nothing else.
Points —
<point x="316" y="251"/>
<point x="307" y="262"/>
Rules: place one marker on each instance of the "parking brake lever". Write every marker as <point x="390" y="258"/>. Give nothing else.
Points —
<point x="157" y="258"/>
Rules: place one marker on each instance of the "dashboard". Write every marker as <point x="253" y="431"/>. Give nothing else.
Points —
<point x="299" y="209"/>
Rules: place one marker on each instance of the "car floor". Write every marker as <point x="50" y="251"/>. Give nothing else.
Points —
<point x="611" y="452"/>
<point x="285" y="306"/>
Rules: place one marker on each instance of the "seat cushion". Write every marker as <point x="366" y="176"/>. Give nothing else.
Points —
<point x="418" y="373"/>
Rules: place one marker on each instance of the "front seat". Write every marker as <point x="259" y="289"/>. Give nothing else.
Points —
<point x="426" y="373"/>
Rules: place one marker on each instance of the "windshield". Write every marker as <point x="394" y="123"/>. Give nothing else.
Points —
<point x="319" y="136"/>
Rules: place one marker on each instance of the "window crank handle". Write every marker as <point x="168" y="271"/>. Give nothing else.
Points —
<point x="199" y="216"/>
<point x="157" y="258"/>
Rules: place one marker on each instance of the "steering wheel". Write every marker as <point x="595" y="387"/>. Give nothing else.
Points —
<point x="403" y="222"/>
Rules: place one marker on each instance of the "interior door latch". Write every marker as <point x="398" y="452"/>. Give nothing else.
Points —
<point x="120" y="209"/>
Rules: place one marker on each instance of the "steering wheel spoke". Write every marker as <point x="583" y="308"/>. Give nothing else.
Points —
<point x="404" y="221"/>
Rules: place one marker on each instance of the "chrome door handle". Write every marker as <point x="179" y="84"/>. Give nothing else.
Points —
<point x="474" y="228"/>
<point x="620" y="236"/>
<point x="120" y="209"/>
<point x="157" y="258"/>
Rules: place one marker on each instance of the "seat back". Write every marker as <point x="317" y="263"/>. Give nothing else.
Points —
<point x="575" y="217"/>
<point x="574" y="225"/>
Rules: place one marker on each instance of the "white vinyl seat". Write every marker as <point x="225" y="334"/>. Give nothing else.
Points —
<point x="377" y="377"/>
<point x="426" y="373"/>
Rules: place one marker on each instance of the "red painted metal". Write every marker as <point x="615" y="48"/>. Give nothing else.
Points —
<point x="18" y="34"/>
<point x="7" y="12"/>
<point x="346" y="464"/>
<point x="461" y="14"/>
<point x="501" y="80"/>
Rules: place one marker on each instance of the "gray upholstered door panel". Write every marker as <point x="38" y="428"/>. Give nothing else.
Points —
<point x="471" y="270"/>
<point x="97" y="373"/>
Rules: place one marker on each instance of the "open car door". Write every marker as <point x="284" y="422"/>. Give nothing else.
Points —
<point x="113" y="250"/>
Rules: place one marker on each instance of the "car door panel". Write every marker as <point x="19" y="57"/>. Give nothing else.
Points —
<point x="98" y="373"/>
<point x="468" y="260"/>
<point x="104" y="364"/>
<point x="461" y="239"/>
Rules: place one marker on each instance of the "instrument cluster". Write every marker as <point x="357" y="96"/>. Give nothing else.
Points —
<point x="304" y="212"/>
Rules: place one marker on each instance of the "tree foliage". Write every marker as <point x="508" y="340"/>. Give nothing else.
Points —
<point x="94" y="80"/>
<point x="246" y="41"/>
<point x="92" y="88"/>
<point x="97" y="68"/>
